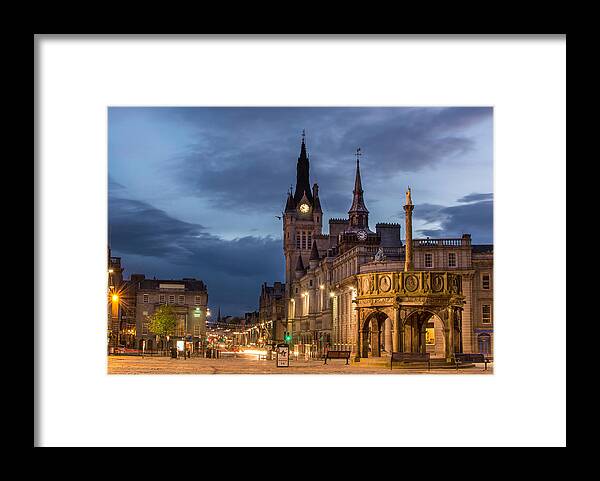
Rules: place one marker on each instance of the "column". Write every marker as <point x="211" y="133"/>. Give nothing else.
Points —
<point x="408" y="208"/>
<point x="388" y="334"/>
<point x="396" y="331"/>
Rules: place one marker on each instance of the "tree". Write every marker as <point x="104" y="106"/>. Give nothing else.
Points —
<point x="163" y="321"/>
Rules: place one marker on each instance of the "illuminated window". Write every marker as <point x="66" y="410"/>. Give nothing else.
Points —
<point x="486" y="313"/>
<point x="428" y="260"/>
<point x="485" y="281"/>
<point x="181" y="299"/>
<point x="452" y="259"/>
<point x="197" y="300"/>
<point x="146" y="298"/>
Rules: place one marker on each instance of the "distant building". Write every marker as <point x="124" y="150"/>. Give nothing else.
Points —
<point x="121" y="305"/>
<point x="189" y="298"/>
<point x="272" y="310"/>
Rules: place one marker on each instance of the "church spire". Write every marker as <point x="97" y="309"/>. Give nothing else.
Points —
<point x="302" y="174"/>
<point x="358" y="212"/>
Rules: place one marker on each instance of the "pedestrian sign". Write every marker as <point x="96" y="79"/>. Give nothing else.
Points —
<point x="283" y="355"/>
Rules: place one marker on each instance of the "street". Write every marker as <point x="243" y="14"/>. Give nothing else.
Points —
<point x="251" y="365"/>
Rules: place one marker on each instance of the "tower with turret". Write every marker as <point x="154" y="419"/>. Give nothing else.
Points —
<point x="302" y="220"/>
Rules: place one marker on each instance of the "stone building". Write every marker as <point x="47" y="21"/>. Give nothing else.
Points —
<point x="121" y="305"/>
<point x="362" y="290"/>
<point x="189" y="298"/>
<point x="272" y="310"/>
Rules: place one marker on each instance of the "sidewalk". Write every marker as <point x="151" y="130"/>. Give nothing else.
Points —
<point x="164" y="365"/>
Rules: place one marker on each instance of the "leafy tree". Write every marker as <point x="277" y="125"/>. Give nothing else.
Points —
<point x="163" y="321"/>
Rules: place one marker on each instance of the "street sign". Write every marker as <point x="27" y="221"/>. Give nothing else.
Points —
<point x="283" y="355"/>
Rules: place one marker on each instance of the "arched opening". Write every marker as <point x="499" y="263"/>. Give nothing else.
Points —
<point x="413" y="334"/>
<point x="435" y="339"/>
<point x="376" y="335"/>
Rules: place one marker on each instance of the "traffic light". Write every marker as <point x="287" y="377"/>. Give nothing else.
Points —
<point x="286" y="337"/>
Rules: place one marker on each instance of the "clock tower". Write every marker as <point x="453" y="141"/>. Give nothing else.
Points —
<point x="302" y="219"/>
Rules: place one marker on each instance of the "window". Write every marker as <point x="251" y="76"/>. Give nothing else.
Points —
<point x="144" y="328"/>
<point x="304" y="240"/>
<point x="309" y="242"/>
<point x="172" y="299"/>
<point x="452" y="259"/>
<point x="146" y="298"/>
<point x="162" y="298"/>
<point x="485" y="281"/>
<point x="486" y="313"/>
<point x="310" y="283"/>
<point x="428" y="260"/>
<point x="297" y="241"/>
<point x="181" y="300"/>
<point x="197" y="300"/>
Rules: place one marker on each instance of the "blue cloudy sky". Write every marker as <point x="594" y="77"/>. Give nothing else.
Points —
<point x="193" y="192"/>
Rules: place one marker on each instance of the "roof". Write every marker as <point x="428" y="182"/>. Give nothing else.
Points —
<point x="482" y="248"/>
<point x="189" y="284"/>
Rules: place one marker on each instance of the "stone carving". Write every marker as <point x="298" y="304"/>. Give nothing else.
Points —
<point x="411" y="283"/>
<point x="385" y="284"/>
<point x="437" y="283"/>
<point x="379" y="256"/>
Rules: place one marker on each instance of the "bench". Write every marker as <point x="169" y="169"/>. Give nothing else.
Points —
<point x="338" y="355"/>
<point x="463" y="358"/>
<point x="410" y="357"/>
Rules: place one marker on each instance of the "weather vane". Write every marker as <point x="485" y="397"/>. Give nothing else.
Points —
<point x="358" y="154"/>
<point x="303" y="135"/>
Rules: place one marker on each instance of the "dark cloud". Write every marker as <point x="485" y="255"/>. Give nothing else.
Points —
<point x="246" y="157"/>
<point x="475" y="218"/>
<point x="232" y="269"/>
<point x="475" y="197"/>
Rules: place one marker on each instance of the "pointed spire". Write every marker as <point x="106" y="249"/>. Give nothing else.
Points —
<point x="299" y="264"/>
<point x="357" y="182"/>
<point x="290" y="205"/>
<point x="314" y="253"/>
<point x="302" y="174"/>
<point x="358" y="202"/>
<point x="317" y="202"/>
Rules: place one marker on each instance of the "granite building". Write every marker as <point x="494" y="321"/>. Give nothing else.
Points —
<point x="188" y="297"/>
<point x="365" y="291"/>
<point x="272" y="310"/>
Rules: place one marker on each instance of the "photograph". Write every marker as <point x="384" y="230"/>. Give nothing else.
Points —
<point x="300" y="240"/>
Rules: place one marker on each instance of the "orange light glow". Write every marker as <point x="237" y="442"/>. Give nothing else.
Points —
<point x="115" y="297"/>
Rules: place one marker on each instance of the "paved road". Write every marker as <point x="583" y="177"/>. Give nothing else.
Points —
<point x="166" y="365"/>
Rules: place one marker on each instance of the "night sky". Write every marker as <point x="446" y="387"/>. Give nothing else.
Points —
<point x="193" y="192"/>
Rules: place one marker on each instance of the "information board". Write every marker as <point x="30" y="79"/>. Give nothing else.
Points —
<point x="283" y="355"/>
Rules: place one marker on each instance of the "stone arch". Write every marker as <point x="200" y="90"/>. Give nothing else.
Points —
<point x="373" y="333"/>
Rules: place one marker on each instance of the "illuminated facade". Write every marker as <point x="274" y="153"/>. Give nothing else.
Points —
<point x="364" y="291"/>
<point x="189" y="299"/>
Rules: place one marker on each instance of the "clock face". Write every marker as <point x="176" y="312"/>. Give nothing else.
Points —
<point x="304" y="208"/>
<point x="362" y="235"/>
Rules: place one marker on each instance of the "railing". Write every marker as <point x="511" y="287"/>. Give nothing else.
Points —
<point x="441" y="242"/>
